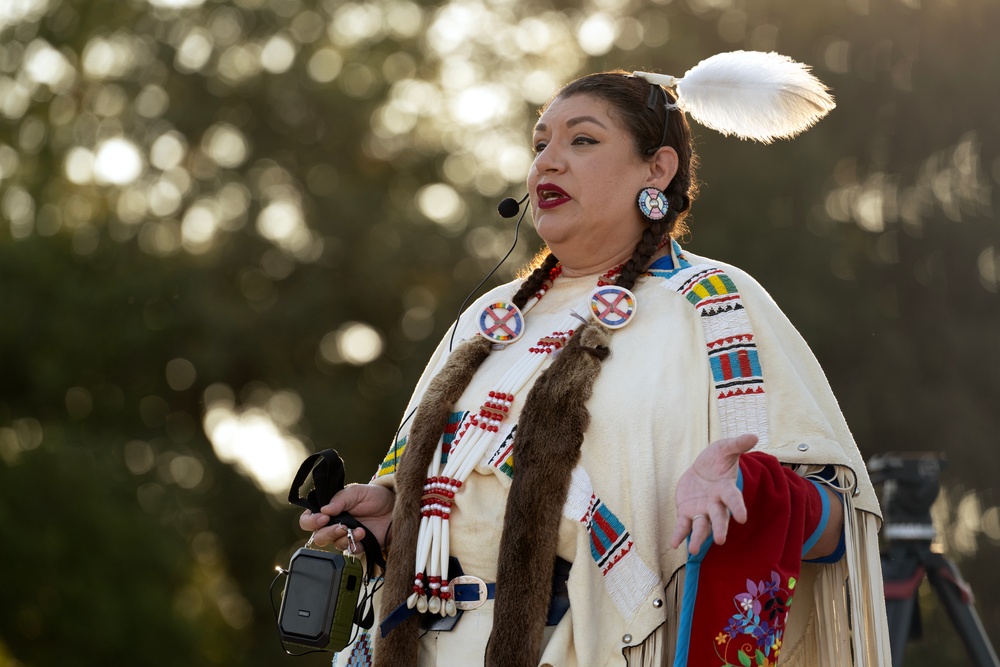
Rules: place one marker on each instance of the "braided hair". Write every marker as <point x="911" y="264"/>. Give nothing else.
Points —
<point x="627" y="97"/>
<point x="534" y="281"/>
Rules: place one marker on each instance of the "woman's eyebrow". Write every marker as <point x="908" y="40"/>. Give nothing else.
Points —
<point x="541" y="127"/>
<point x="584" y="119"/>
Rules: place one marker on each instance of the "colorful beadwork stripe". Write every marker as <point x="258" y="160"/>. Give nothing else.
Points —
<point x="734" y="362"/>
<point x="732" y="353"/>
<point x="361" y="652"/>
<point x="627" y="579"/>
<point x="503" y="457"/>
<point x="388" y="465"/>
<point x="716" y="287"/>
<point x="607" y="534"/>
<point x="455" y="420"/>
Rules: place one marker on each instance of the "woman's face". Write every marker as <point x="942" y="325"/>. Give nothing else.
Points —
<point x="584" y="183"/>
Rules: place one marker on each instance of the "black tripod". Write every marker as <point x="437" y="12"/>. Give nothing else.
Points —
<point x="910" y="485"/>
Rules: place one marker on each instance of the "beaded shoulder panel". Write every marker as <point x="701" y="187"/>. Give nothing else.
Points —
<point x="735" y="366"/>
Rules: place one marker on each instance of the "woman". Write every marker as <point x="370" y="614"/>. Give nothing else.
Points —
<point x="634" y="418"/>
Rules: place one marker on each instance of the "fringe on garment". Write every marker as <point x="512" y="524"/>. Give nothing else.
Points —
<point x="854" y="584"/>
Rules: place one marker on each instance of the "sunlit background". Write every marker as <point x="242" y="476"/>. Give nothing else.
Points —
<point x="232" y="231"/>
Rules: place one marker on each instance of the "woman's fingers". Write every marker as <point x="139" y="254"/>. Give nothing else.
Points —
<point x="310" y="522"/>
<point x="701" y="526"/>
<point x="733" y="447"/>
<point x="352" y="544"/>
<point x="732" y="498"/>
<point x="681" y="530"/>
<point x="707" y="495"/>
<point x="337" y="536"/>
<point x="345" y="500"/>
<point x="363" y="501"/>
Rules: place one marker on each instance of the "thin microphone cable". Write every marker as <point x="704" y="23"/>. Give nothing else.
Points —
<point x="461" y="308"/>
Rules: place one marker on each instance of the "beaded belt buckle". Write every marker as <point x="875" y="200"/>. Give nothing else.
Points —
<point x="470" y="604"/>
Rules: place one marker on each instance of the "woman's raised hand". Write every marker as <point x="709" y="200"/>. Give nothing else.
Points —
<point x="368" y="503"/>
<point x="707" y="495"/>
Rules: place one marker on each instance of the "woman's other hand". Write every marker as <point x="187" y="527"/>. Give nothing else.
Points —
<point x="368" y="503"/>
<point x="707" y="495"/>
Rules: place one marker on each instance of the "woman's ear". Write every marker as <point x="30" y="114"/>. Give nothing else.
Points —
<point x="663" y="167"/>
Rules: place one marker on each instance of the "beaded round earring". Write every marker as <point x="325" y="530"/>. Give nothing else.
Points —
<point x="653" y="203"/>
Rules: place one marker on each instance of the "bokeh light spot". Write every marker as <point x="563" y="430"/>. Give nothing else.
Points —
<point x="180" y="374"/>
<point x="239" y="63"/>
<point x="199" y="226"/>
<point x="226" y="145"/>
<point x="989" y="268"/>
<point x="18" y="207"/>
<point x="285" y="407"/>
<point x="45" y="65"/>
<point x="14" y="98"/>
<point x="139" y="457"/>
<point x="597" y="34"/>
<point x="355" y="23"/>
<point x="177" y="4"/>
<point x="307" y="27"/>
<point x="441" y="203"/>
<point x="404" y="19"/>
<point x="279" y="221"/>
<point x="117" y="162"/>
<point x="194" y="51"/>
<point x="152" y="101"/>
<point x="417" y="323"/>
<point x="480" y="105"/>
<point x="9" y="161"/>
<point x="277" y="55"/>
<point x="356" y="343"/>
<point x="79" y="402"/>
<point x="255" y="444"/>
<point x="109" y="58"/>
<point x="168" y="150"/>
<point x="160" y="239"/>
<point x="186" y="471"/>
<point x="325" y="65"/>
<point x="164" y="198"/>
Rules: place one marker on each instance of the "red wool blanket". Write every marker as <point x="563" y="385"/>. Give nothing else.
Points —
<point x="737" y="596"/>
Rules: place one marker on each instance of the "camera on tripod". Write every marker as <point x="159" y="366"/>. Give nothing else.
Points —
<point x="910" y="484"/>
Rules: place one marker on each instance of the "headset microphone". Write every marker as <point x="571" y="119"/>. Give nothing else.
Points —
<point x="509" y="207"/>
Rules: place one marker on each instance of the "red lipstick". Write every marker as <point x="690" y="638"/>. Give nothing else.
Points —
<point x="550" y="196"/>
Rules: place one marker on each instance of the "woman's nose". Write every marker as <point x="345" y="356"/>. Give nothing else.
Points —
<point x="550" y="160"/>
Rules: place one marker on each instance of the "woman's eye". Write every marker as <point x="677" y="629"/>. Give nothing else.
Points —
<point x="577" y="141"/>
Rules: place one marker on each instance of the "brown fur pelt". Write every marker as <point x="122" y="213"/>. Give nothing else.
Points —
<point x="400" y="649"/>
<point x="546" y="448"/>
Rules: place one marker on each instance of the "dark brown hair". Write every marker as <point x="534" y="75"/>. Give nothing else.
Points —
<point x="627" y="98"/>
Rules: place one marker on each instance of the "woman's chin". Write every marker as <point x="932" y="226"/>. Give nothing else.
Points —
<point x="553" y="230"/>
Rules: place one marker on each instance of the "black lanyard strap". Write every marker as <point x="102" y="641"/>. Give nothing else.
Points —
<point x="327" y="471"/>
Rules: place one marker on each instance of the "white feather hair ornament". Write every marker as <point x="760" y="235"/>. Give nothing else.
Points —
<point x="750" y="94"/>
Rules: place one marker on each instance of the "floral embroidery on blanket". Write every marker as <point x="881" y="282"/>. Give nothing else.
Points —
<point x="752" y="637"/>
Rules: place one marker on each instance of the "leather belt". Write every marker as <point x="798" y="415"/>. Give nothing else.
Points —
<point x="471" y="592"/>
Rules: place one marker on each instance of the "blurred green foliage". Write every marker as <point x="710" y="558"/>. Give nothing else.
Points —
<point x="256" y="218"/>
